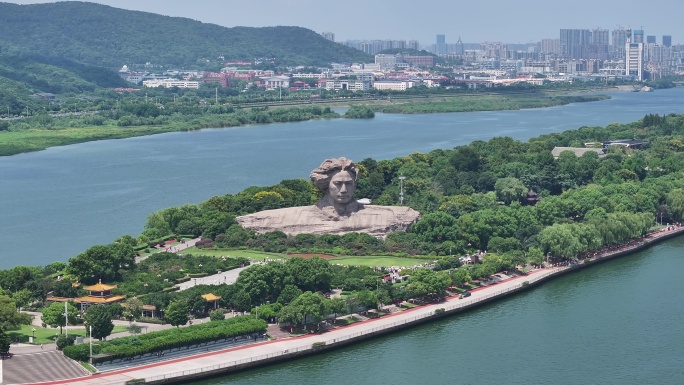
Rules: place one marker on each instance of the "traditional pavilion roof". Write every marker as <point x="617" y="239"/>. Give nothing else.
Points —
<point x="100" y="287"/>
<point x="103" y="300"/>
<point x="209" y="297"/>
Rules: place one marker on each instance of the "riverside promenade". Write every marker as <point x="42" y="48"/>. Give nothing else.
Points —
<point x="236" y="359"/>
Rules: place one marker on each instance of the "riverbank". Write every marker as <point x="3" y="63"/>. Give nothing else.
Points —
<point x="222" y="362"/>
<point x="59" y="131"/>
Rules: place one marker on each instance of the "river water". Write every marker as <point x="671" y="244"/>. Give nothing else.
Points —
<point x="56" y="203"/>
<point x="615" y="323"/>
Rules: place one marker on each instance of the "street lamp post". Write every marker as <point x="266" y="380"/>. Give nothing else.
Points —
<point x="91" y="343"/>
<point x="33" y="337"/>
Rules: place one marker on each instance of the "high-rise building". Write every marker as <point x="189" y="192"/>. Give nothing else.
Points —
<point x="459" y="47"/>
<point x="497" y="49"/>
<point x="600" y="36"/>
<point x="574" y="43"/>
<point x="638" y="36"/>
<point x="667" y="40"/>
<point x="600" y="44"/>
<point x="386" y="61"/>
<point x="620" y="38"/>
<point x="650" y="39"/>
<point x="440" y="47"/>
<point x="328" y="35"/>
<point x="413" y="44"/>
<point x="634" y="60"/>
<point x="550" y="46"/>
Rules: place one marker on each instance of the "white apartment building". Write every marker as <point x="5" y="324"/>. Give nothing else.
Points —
<point x="170" y="83"/>
<point x="634" y="60"/>
<point x="393" y="85"/>
<point x="276" y="82"/>
<point x="345" y="85"/>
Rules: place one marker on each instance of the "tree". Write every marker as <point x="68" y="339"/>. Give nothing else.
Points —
<point x="509" y="190"/>
<point x="337" y="305"/>
<point x="53" y="315"/>
<point x="307" y="307"/>
<point x="5" y="343"/>
<point x="177" y="313"/>
<point x="10" y="318"/>
<point x="134" y="308"/>
<point x="313" y="274"/>
<point x="675" y="203"/>
<point x="99" y="317"/>
<point x="427" y="281"/>
<point x="289" y="294"/>
<point x="102" y="262"/>
<point x="436" y="227"/>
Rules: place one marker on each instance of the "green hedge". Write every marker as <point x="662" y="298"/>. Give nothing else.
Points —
<point x="167" y="339"/>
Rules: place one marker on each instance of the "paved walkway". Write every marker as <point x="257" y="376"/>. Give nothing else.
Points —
<point x="274" y="348"/>
<point x="227" y="277"/>
<point x="236" y="357"/>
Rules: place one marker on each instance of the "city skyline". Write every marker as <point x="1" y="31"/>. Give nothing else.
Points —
<point x="496" y="20"/>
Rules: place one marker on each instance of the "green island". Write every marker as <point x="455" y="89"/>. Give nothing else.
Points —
<point x="516" y="200"/>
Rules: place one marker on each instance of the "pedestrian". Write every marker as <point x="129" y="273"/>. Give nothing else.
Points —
<point x="41" y="346"/>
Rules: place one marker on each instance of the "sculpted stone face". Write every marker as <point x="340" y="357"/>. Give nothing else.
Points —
<point x="341" y="188"/>
<point x="336" y="212"/>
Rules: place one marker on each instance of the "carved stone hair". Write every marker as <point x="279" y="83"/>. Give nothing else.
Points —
<point x="322" y="175"/>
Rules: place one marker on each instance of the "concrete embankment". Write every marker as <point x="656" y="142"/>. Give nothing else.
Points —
<point x="223" y="362"/>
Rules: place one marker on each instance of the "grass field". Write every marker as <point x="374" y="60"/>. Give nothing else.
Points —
<point x="379" y="261"/>
<point x="251" y="254"/>
<point x="49" y="335"/>
<point x="15" y="142"/>
<point x="369" y="260"/>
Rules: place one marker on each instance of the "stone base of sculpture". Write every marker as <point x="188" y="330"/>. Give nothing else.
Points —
<point x="319" y="219"/>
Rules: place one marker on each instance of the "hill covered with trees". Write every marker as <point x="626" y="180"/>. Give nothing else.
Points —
<point x="21" y="77"/>
<point x="110" y="37"/>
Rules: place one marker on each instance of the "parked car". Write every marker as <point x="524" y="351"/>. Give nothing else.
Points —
<point x="465" y="294"/>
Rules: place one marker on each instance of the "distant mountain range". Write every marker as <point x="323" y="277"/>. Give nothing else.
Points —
<point x="110" y="37"/>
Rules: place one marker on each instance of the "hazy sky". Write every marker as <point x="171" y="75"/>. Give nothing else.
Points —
<point x="475" y="21"/>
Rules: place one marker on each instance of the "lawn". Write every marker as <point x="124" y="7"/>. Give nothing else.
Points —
<point x="251" y="254"/>
<point x="375" y="260"/>
<point x="368" y="260"/>
<point x="48" y="335"/>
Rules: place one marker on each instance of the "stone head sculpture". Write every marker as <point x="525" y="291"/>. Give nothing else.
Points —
<point x="336" y="178"/>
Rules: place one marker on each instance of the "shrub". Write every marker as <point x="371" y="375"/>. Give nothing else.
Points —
<point x="151" y="320"/>
<point x="525" y="283"/>
<point x="64" y="341"/>
<point x="168" y="339"/>
<point x="439" y="311"/>
<point x="318" y="345"/>
<point x="217" y="315"/>
<point x="80" y="352"/>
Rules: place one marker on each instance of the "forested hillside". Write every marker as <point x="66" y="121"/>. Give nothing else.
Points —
<point x="110" y="37"/>
<point x="23" y="76"/>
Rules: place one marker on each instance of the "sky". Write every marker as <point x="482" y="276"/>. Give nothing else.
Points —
<point x="475" y="21"/>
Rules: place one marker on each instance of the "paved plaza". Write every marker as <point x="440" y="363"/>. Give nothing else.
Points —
<point x="40" y="367"/>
